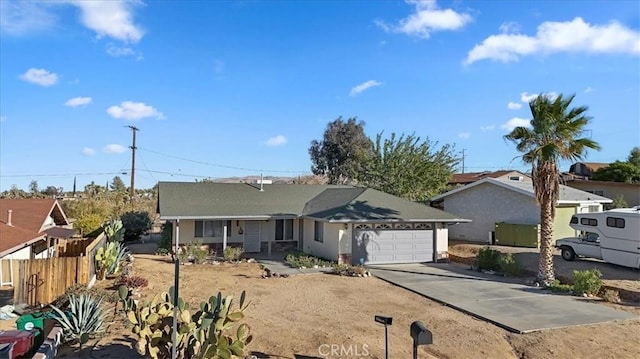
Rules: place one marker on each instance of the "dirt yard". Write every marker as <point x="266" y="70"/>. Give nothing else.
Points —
<point x="304" y="316"/>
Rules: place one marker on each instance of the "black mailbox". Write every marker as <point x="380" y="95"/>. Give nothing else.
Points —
<point x="420" y="334"/>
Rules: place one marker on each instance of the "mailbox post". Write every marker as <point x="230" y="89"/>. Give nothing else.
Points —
<point x="384" y="321"/>
<point x="421" y="336"/>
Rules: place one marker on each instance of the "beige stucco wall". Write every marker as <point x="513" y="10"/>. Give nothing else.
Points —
<point x="630" y="192"/>
<point x="332" y="236"/>
<point x="24" y="253"/>
<point x="524" y="179"/>
<point x="441" y="232"/>
<point x="267" y="231"/>
<point x="485" y="205"/>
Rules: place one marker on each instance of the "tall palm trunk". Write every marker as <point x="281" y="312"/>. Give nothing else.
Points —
<point x="546" y="274"/>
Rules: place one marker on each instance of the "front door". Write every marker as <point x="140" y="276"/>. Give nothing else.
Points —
<point x="251" y="242"/>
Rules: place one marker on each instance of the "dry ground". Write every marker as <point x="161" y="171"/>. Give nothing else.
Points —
<point x="297" y="317"/>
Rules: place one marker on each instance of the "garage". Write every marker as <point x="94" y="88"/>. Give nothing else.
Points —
<point x="380" y="244"/>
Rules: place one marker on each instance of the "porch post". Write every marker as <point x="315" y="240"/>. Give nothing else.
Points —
<point x="224" y="237"/>
<point x="175" y="293"/>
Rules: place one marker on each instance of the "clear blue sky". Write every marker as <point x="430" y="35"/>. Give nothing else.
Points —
<point x="240" y="87"/>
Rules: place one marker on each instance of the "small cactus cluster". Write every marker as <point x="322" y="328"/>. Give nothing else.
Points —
<point x="110" y="259"/>
<point x="114" y="230"/>
<point x="203" y="334"/>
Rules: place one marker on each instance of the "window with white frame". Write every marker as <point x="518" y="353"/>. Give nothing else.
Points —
<point x="317" y="232"/>
<point x="284" y="230"/>
<point x="211" y="228"/>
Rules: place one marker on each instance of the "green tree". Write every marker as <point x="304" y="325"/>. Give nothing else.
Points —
<point x="34" y="191"/>
<point x="555" y="135"/>
<point x="52" y="191"/>
<point x="408" y="167"/>
<point x="135" y="224"/>
<point x="118" y="185"/>
<point x="14" y="192"/>
<point x="619" y="202"/>
<point x="342" y="152"/>
<point x="634" y="156"/>
<point x="618" y="172"/>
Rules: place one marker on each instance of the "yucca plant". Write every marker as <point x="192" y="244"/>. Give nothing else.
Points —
<point x="84" y="318"/>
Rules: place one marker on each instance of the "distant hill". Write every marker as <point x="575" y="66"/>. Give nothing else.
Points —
<point x="308" y="179"/>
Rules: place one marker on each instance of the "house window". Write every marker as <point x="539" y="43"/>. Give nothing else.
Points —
<point x="422" y="226"/>
<point x="515" y="178"/>
<point x="362" y="226"/>
<point x="615" y="222"/>
<point x="284" y="229"/>
<point x="317" y="232"/>
<point x="211" y="228"/>
<point x="589" y="222"/>
<point x="594" y="209"/>
<point x="574" y="220"/>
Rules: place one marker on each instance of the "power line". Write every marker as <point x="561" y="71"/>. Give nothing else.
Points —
<point x="219" y="165"/>
<point x="65" y="174"/>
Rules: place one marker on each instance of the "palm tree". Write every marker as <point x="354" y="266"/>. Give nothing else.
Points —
<point x="555" y="134"/>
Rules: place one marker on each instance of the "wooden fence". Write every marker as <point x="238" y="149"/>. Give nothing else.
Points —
<point x="41" y="281"/>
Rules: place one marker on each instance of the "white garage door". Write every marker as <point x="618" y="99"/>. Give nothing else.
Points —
<point x="393" y="246"/>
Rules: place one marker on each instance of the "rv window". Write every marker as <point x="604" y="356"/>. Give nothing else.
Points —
<point x="574" y="220"/>
<point x="589" y="222"/>
<point x="615" y="222"/>
<point x="591" y="237"/>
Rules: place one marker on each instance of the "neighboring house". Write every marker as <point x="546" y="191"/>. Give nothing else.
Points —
<point x="630" y="192"/>
<point x="470" y="177"/>
<point x="585" y="170"/>
<point x="341" y="223"/>
<point x="30" y="228"/>
<point x="490" y="201"/>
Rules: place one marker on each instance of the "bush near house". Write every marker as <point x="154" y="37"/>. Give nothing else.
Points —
<point x="232" y="253"/>
<point x="587" y="281"/>
<point x="135" y="225"/>
<point x="303" y="260"/>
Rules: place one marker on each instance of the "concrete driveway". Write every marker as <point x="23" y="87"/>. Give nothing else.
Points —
<point x="512" y="306"/>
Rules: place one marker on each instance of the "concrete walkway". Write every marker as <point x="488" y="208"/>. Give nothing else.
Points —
<point x="512" y="306"/>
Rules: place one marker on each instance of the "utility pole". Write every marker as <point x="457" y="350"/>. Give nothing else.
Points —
<point x="133" y="147"/>
<point x="463" y="160"/>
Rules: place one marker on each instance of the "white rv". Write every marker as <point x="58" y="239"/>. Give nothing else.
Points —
<point x="613" y="236"/>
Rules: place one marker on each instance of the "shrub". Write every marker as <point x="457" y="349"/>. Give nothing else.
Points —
<point x="165" y="237"/>
<point x="232" y="253"/>
<point x="349" y="270"/>
<point x="509" y="265"/>
<point x="558" y="287"/>
<point x="611" y="296"/>
<point x="84" y="318"/>
<point x="303" y="260"/>
<point x="135" y="281"/>
<point x="135" y="224"/>
<point x="488" y="259"/>
<point x="587" y="281"/>
<point x="88" y="223"/>
<point x="193" y="252"/>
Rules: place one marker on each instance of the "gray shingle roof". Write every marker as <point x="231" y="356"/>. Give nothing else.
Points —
<point x="567" y="194"/>
<point x="181" y="200"/>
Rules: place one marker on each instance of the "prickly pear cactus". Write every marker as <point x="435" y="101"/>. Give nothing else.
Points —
<point x="203" y="334"/>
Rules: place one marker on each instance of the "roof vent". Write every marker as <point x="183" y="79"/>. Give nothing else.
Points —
<point x="9" y="212"/>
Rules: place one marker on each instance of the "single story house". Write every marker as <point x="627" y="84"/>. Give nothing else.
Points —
<point x="630" y="192"/>
<point x="470" y="177"/>
<point x="29" y="229"/>
<point x="490" y="201"/>
<point x="341" y="223"/>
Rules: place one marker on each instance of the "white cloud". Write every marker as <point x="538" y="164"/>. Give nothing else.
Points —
<point x="487" y="128"/>
<point x="114" y="149"/>
<point x="364" y="86"/>
<point x="464" y="135"/>
<point x="87" y="151"/>
<point x="112" y="19"/>
<point x="509" y="27"/>
<point x="427" y="18"/>
<point x="129" y="110"/>
<point x="78" y="101"/>
<point x="40" y="77"/>
<point x="278" y="140"/>
<point x="119" y="51"/>
<point x="528" y="97"/>
<point x="515" y="122"/>
<point x="589" y="89"/>
<point x="23" y="17"/>
<point x="576" y="36"/>
<point x="514" y="105"/>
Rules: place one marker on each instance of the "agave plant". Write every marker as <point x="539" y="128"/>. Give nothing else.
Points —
<point x="84" y="318"/>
